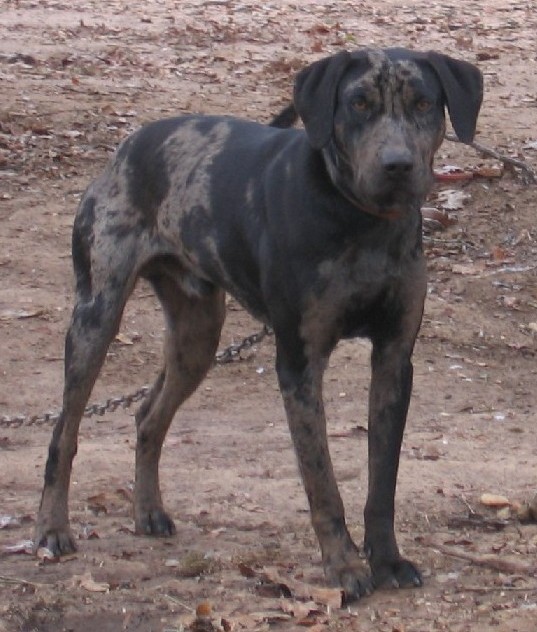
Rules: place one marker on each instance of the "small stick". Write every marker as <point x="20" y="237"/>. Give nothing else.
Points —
<point x="179" y="603"/>
<point x="531" y="176"/>
<point x="15" y="580"/>
<point x="509" y="567"/>
<point x="485" y="589"/>
<point x="471" y="510"/>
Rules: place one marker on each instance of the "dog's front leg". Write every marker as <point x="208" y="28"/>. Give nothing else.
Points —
<point x="301" y="386"/>
<point x="391" y="386"/>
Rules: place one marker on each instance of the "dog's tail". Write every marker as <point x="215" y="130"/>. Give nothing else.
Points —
<point x="286" y="118"/>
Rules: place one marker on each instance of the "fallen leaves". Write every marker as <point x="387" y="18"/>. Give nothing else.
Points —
<point x="127" y="338"/>
<point x="452" y="199"/>
<point x="494" y="500"/>
<point x="193" y="564"/>
<point x="468" y="269"/>
<point x="436" y="219"/>
<point x="86" y="582"/>
<point x="280" y="598"/>
<point x="271" y="580"/>
<point x="524" y="511"/>
<point x="110" y="500"/>
<point x="446" y="202"/>
<point x="116" y="82"/>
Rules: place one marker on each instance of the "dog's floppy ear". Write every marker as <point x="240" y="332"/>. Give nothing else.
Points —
<point x="315" y="96"/>
<point x="462" y="83"/>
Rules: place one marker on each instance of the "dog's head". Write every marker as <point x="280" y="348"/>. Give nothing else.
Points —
<point x="378" y="118"/>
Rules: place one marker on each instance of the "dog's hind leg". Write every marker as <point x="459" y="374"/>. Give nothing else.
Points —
<point x="94" y="323"/>
<point x="194" y="323"/>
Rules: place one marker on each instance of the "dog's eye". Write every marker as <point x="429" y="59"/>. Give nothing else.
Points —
<point x="360" y="104"/>
<point x="423" y="105"/>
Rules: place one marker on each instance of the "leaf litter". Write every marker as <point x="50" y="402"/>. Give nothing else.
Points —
<point x="78" y="81"/>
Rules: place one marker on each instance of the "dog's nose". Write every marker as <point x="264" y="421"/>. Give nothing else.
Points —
<point x="397" y="162"/>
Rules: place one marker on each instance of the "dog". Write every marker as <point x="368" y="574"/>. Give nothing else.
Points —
<point x="316" y="231"/>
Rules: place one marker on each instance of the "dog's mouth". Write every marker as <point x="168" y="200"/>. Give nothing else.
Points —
<point x="390" y="199"/>
<point x="388" y="208"/>
<point x="391" y="205"/>
<point x="392" y="213"/>
<point x="389" y="213"/>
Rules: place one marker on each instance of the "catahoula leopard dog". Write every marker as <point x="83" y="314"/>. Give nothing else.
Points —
<point x="316" y="231"/>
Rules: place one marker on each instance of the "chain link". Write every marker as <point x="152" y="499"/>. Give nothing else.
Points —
<point x="229" y="354"/>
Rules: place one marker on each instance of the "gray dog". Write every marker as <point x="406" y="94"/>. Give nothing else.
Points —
<point x="315" y="232"/>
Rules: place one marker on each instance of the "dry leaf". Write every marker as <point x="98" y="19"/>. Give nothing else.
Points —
<point x="102" y="502"/>
<point x="172" y="563"/>
<point x="489" y="172"/>
<point x="467" y="268"/>
<point x="124" y="339"/>
<point x="87" y="582"/>
<point x="494" y="500"/>
<point x="330" y="597"/>
<point x="437" y="217"/>
<point x="486" y="54"/>
<point x="451" y="173"/>
<point x="299" y="609"/>
<point x="246" y="571"/>
<point x="499" y="254"/>
<point x="452" y="199"/>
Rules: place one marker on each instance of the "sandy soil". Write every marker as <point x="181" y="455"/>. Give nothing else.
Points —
<point x="76" y="81"/>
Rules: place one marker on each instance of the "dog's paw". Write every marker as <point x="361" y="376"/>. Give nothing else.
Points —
<point x="351" y="574"/>
<point x="155" y="523"/>
<point x="355" y="583"/>
<point x="398" y="574"/>
<point x="57" y="541"/>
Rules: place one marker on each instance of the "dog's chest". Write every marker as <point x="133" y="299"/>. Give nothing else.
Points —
<point x="364" y="286"/>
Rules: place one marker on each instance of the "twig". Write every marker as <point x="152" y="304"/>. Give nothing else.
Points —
<point x="176" y="601"/>
<point x="15" y="580"/>
<point x="485" y="589"/>
<point x="491" y="561"/>
<point x="531" y="176"/>
<point x="471" y="510"/>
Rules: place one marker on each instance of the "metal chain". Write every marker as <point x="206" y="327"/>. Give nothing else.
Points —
<point x="234" y="351"/>
<point x="229" y="354"/>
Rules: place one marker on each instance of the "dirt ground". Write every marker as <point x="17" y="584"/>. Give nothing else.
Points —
<point x="76" y="81"/>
